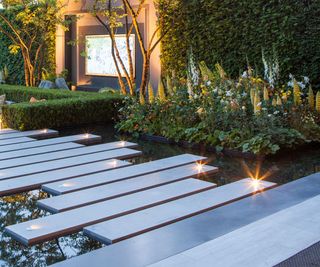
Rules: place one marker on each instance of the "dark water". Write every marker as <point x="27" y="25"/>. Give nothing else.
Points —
<point x="18" y="208"/>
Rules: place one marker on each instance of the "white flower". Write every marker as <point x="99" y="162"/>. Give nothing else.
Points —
<point x="264" y="109"/>
<point x="208" y="83"/>
<point x="229" y="93"/>
<point x="244" y="74"/>
<point x="243" y="108"/>
<point x="306" y="79"/>
<point x="276" y="112"/>
<point x="259" y="104"/>
<point x="290" y="84"/>
<point x="244" y="94"/>
<point x="302" y="85"/>
<point x="215" y="90"/>
<point x="269" y="115"/>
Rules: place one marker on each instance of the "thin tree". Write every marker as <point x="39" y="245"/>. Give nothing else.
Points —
<point x="114" y="15"/>
<point x="29" y="31"/>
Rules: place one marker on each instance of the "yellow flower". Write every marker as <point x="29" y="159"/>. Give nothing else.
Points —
<point x="252" y="95"/>
<point x="296" y="93"/>
<point x="150" y="93"/>
<point x="318" y="101"/>
<point x="279" y="102"/>
<point x="257" y="103"/>
<point x="265" y="94"/>
<point x="274" y="102"/>
<point x="161" y="92"/>
<point x="142" y="100"/>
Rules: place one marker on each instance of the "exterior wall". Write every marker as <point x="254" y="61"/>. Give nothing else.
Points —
<point x="86" y="24"/>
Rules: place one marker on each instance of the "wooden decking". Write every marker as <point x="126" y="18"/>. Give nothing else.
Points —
<point x="111" y="200"/>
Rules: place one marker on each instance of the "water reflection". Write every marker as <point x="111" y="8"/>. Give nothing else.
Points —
<point x="22" y="207"/>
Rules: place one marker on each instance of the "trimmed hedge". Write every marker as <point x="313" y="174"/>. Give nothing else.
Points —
<point x="61" y="109"/>
<point x="235" y="32"/>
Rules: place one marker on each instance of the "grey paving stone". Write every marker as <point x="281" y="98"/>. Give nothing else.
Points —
<point x="53" y="226"/>
<point x="100" y="193"/>
<point x="118" y="175"/>
<point x="170" y="240"/>
<point x="54" y="155"/>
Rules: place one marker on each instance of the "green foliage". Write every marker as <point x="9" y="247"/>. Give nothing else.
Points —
<point x="234" y="33"/>
<point x="61" y="108"/>
<point x="219" y="112"/>
<point x="10" y="54"/>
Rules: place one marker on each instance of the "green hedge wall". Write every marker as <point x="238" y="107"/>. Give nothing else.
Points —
<point x="14" y="63"/>
<point x="234" y="32"/>
<point x="62" y="108"/>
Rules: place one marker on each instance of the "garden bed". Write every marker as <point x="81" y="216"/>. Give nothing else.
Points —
<point x="61" y="108"/>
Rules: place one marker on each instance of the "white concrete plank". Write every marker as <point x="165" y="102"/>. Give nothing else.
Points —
<point x="122" y="153"/>
<point x="34" y="181"/>
<point x="43" y="133"/>
<point x="114" y="176"/>
<point x="265" y="242"/>
<point x="143" y="221"/>
<point x="17" y="140"/>
<point x="19" y="154"/>
<point x="109" y="191"/>
<point x="7" y="131"/>
<point x="80" y="138"/>
<point x="9" y="163"/>
<point x="68" y="222"/>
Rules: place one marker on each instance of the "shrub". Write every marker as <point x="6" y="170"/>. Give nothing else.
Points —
<point x="61" y="108"/>
<point x="246" y="114"/>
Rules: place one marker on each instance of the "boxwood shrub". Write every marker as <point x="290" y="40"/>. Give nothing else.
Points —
<point x="62" y="108"/>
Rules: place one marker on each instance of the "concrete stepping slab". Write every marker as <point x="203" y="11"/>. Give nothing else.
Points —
<point x="80" y="138"/>
<point x="196" y="230"/>
<point x="143" y="221"/>
<point x="17" y="140"/>
<point x="265" y="242"/>
<point x="44" y="133"/>
<point x="115" y="176"/>
<point x="101" y="193"/>
<point x="42" y="167"/>
<point x="35" y="181"/>
<point x="19" y="154"/>
<point x="10" y="163"/>
<point x="64" y="223"/>
<point x="7" y="131"/>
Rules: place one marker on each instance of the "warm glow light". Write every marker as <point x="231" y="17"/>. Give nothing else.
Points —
<point x="122" y="143"/>
<point x="66" y="185"/>
<point x="199" y="167"/>
<point x="45" y="130"/>
<point x="113" y="163"/>
<point x="255" y="183"/>
<point x="87" y="135"/>
<point x="33" y="227"/>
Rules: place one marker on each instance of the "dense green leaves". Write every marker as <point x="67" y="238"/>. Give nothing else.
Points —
<point x="234" y="33"/>
<point x="62" y="108"/>
<point x="11" y="57"/>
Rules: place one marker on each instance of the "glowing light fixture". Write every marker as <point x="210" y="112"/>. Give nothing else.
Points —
<point x="199" y="166"/>
<point x="66" y="185"/>
<point x="33" y="227"/>
<point x="86" y="135"/>
<point x="113" y="163"/>
<point x="255" y="183"/>
<point x="122" y="143"/>
<point x="45" y="130"/>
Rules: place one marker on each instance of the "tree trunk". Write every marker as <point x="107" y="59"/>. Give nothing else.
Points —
<point x="145" y="75"/>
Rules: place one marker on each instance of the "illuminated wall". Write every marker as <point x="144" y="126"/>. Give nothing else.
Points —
<point x="86" y="25"/>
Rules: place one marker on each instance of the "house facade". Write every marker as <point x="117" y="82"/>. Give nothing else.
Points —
<point x="85" y="49"/>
